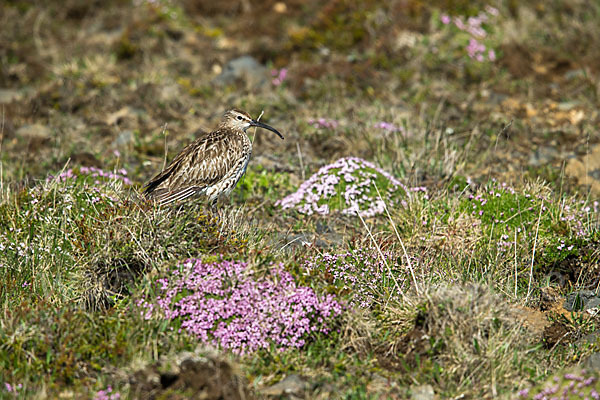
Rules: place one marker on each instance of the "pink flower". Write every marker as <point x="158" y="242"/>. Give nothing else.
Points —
<point x="10" y="388"/>
<point x="445" y="19"/>
<point x="223" y="304"/>
<point x="388" y="126"/>
<point x="475" y="49"/>
<point x="325" y="123"/>
<point x="492" y="10"/>
<point x="279" y="76"/>
<point x="107" y="394"/>
<point x="459" y="23"/>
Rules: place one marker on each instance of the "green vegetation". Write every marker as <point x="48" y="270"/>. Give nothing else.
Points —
<point x="402" y="235"/>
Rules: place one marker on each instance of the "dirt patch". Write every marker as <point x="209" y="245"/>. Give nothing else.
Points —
<point x="551" y="299"/>
<point x="555" y="334"/>
<point x="544" y="64"/>
<point x="190" y="376"/>
<point x="412" y="349"/>
<point x="551" y="322"/>
<point x="586" y="169"/>
<point x="576" y="270"/>
<point x="111" y="280"/>
<point x="534" y="320"/>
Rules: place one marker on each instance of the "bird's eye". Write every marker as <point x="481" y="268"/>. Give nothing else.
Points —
<point x="239" y="117"/>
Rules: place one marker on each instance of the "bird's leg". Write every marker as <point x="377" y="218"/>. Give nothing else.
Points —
<point x="213" y="209"/>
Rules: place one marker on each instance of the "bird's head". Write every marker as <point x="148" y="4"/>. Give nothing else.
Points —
<point x="241" y="120"/>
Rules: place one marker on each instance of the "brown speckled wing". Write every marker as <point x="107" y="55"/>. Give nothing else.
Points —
<point x="201" y="164"/>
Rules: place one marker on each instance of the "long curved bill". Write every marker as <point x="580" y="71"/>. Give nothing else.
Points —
<point x="265" y="126"/>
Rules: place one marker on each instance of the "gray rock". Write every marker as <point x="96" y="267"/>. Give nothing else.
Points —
<point x="322" y="227"/>
<point x="592" y="303"/>
<point x="590" y="338"/>
<point x="125" y="138"/>
<point x="574" y="73"/>
<point x="7" y="96"/>
<point x="497" y="98"/>
<point x="423" y="392"/>
<point x="595" y="174"/>
<point x="291" y="385"/>
<point x="543" y="155"/>
<point x="296" y="240"/>
<point x="34" y="131"/>
<point x="593" y="362"/>
<point x="243" y="69"/>
<point x="582" y="300"/>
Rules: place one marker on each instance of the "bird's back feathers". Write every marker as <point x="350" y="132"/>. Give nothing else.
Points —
<point x="200" y="165"/>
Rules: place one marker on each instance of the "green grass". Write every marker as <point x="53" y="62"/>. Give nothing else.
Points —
<point x="258" y="185"/>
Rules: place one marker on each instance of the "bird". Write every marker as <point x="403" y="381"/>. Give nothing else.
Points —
<point x="211" y="165"/>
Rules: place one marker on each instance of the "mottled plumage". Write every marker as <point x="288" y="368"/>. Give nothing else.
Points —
<point x="211" y="165"/>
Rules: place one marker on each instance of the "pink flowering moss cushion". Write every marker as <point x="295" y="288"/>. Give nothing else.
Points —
<point x="347" y="185"/>
<point x="223" y="304"/>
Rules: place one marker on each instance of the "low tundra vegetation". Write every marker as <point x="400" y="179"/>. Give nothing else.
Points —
<point x="94" y="276"/>
<point x="418" y="230"/>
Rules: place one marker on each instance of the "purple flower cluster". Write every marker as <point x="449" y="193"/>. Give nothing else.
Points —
<point x="324" y="123"/>
<point x="474" y="27"/>
<point x="572" y="385"/>
<point x="389" y="127"/>
<point x="476" y="50"/>
<point x="582" y="217"/>
<point x="278" y="76"/>
<point x="346" y="185"/>
<point x="224" y="304"/>
<point x="120" y="175"/>
<point x="361" y="272"/>
<point x="107" y="394"/>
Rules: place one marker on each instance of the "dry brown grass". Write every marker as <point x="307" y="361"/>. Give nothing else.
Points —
<point x="468" y="334"/>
